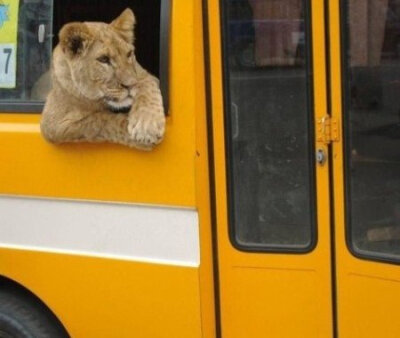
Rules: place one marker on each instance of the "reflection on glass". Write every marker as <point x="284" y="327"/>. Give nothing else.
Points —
<point x="270" y="166"/>
<point x="373" y="126"/>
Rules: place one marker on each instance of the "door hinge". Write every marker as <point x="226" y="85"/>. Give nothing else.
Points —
<point x="328" y="130"/>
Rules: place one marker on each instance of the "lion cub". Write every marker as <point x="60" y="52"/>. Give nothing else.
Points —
<point x="99" y="91"/>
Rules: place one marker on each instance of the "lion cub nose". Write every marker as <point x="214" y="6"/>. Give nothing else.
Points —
<point x="126" y="86"/>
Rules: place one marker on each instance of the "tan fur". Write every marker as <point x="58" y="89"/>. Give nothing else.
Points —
<point x="83" y="90"/>
<point x="42" y="87"/>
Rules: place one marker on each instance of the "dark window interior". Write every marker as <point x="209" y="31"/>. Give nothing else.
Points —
<point x="372" y="127"/>
<point x="32" y="54"/>
<point x="147" y="29"/>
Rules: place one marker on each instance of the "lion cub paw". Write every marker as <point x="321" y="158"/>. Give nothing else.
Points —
<point x="146" y="128"/>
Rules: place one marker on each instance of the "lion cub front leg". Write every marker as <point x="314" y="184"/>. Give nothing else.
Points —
<point x="94" y="127"/>
<point x="146" y="118"/>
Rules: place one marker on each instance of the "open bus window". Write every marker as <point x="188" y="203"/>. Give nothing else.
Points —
<point x="29" y="32"/>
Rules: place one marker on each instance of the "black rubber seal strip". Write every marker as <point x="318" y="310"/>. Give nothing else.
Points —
<point x="211" y="167"/>
<point x="331" y="178"/>
<point x="165" y="29"/>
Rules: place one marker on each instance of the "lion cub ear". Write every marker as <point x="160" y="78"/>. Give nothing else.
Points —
<point x="74" y="38"/>
<point x="125" y="24"/>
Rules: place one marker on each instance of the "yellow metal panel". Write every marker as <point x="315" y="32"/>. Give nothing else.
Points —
<point x="30" y="166"/>
<point x="108" y="298"/>
<point x="107" y="172"/>
<point x="369" y="305"/>
<point x="256" y="289"/>
<point x="261" y="315"/>
<point x="367" y="292"/>
<point x="96" y="297"/>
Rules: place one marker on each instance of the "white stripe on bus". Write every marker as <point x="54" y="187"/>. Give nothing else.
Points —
<point x="134" y="232"/>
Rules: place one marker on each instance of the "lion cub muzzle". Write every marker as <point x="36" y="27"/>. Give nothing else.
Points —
<point x="118" y="103"/>
<point x="123" y="106"/>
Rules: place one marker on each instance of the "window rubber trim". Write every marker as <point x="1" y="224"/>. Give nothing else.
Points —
<point x="268" y="248"/>
<point x="21" y="107"/>
<point x="165" y="30"/>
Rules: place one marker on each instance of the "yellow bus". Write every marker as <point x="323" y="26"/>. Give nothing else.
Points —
<point x="272" y="207"/>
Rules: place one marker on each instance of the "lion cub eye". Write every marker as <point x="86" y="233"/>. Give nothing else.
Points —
<point x="104" y="59"/>
<point x="129" y="54"/>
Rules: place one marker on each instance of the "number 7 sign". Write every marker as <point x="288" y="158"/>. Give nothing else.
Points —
<point x="8" y="42"/>
<point x="7" y="65"/>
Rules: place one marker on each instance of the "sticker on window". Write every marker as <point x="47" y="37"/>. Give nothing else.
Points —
<point x="8" y="42"/>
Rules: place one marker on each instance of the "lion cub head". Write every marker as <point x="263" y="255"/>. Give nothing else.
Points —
<point x="95" y="61"/>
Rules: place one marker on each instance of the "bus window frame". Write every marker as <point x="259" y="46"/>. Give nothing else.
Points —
<point x="36" y="107"/>
<point x="165" y="31"/>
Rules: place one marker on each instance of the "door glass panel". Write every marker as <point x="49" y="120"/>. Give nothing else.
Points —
<point x="372" y="121"/>
<point x="268" y="115"/>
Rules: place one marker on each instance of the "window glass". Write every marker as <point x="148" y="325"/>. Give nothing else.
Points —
<point x="29" y="31"/>
<point x="269" y="114"/>
<point x="25" y="48"/>
<point x="372" y="121"/>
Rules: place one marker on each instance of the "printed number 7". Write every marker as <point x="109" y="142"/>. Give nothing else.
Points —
<point x="7" y="51"/>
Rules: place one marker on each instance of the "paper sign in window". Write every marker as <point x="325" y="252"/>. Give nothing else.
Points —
<point x="8" y="42"/>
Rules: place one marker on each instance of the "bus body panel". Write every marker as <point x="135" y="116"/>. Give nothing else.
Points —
<point x="106" y="295"/>
<point x="95" y="297"/>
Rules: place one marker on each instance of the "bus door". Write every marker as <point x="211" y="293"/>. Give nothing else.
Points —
<point x="365" y="82"/>
<point x="271" y="167"/>
<point x="306" y="134"/>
